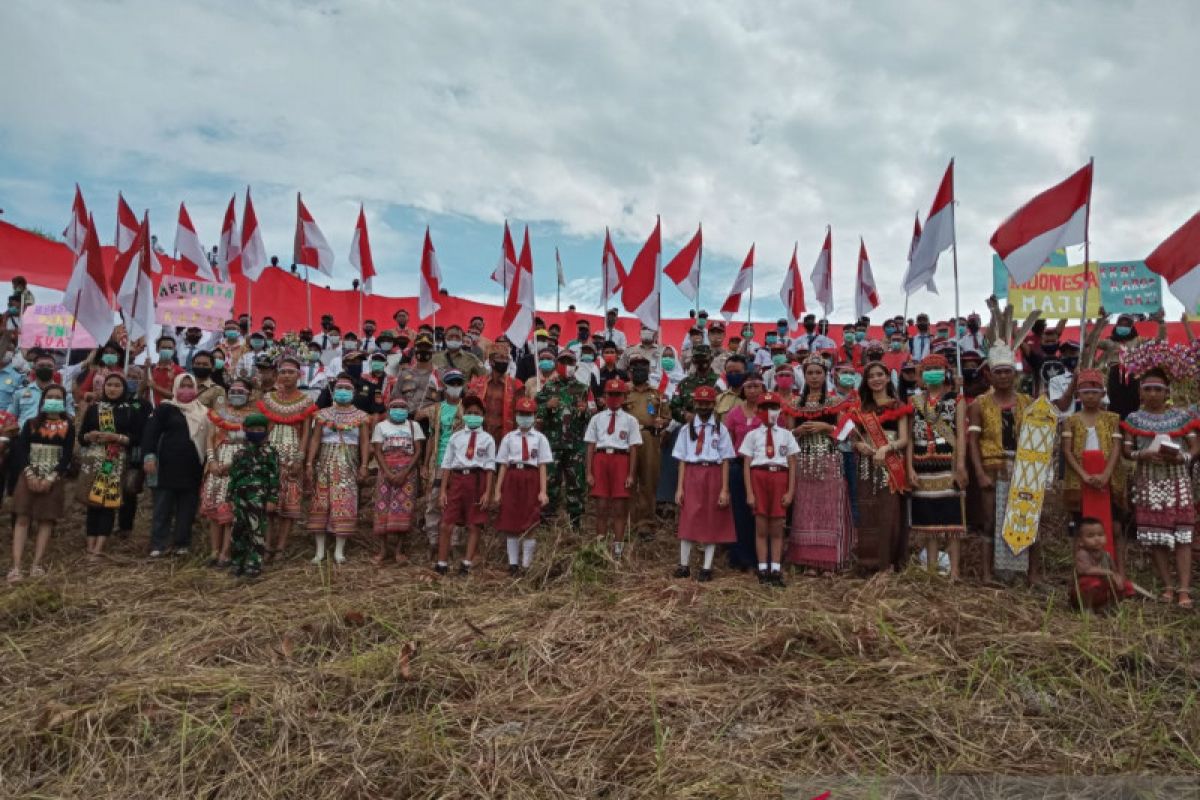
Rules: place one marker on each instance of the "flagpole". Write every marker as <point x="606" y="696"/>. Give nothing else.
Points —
<point x="557" y="282"/>
<point x="954" y="250"/>
<point x="308" y="297"/>
<point x="699" y="271"/>
<point x="137" y="285"/>
<point x="1087" y="261"/>
<point x="360" y="308"/>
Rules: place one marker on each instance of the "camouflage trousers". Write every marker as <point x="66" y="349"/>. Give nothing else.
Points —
<point x="566" y="482"/>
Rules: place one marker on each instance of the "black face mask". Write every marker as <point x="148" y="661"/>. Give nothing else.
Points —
<point x="972" y="326"/>
<point x="423" y="355"/>
<point x="701" y="364"/>
<point x="923" y="327"/>
<point x="369" y="330"/>
<point x="306" y="337"/>
<point x="970" y="374"/>
<point x="44" y="373"/>
<point x="193" y="338"/>
<point x="810" y="326"/>
<point x="500" y="367"/>
<point x="202" y="373"/>
<point x="244" y="326"/>
<point x="639" y="374"/>
<point x="1070" y="362"/>
<point x="354" y="370"/>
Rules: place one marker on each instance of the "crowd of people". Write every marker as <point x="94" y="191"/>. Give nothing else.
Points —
<point x="778" y="447"/>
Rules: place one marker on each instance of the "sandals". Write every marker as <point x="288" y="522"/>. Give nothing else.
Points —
<point x="1168" y="596"/>
<point x="14" y="575"/>
<point x="37" y="571"/>
<point x="1185" y="599"/>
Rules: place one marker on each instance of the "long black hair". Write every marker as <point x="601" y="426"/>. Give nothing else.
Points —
<point x="824" y="384"/>
<point x="867" y="397"/>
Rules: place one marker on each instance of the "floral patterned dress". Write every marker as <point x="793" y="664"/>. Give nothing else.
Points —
<point x="288" y="417"/>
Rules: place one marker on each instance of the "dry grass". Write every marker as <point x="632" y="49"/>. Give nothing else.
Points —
<point x="137" y="679"/>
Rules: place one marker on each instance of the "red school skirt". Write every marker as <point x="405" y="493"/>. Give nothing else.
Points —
<point x="700" y="518"/>
<point x="519" y="507"/>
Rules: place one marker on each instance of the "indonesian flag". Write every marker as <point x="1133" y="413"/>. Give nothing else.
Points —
<point x="641" y="288"/>
<point x="1056" y="218"/>
<point x="865" y="298"/>
<point x="741" y="283"/>
<point x="188" y="247"/>
<point x="75" y="233"/>
<point x="517" y="319"/>
<point x="135" y="295"/>
<point x="612" y="271"/>
<point x="87" y="292"/>
<point x="360" y="252"/>
<point x="312" y="249"/>
<point x="562" y="279"/>
<point x="931" y="242"/>
<point x="912" y="249"/>
<point x="254" y="252"/>
<point x="124" y="238"/>
<point x="792" y="292"/>
<point x="229" y="248"/>
<point x="431" y="280"/>
<point x="684" y="268"/>
<point x="506" y="267"/>
<point x="1177" y="259"/>
<point x="822" y="274"/>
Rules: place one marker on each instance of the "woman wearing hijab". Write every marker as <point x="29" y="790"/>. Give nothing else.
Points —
<point x="108" y="428"/>
<point x="173" y="449"/>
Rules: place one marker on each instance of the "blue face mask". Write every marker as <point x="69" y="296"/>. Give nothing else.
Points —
<point x="343" y="396"/>
<point x="861" y="336"/>
<point x="231" y="335"/>
<point x="734" y="380"/>
<point x="546" y="365"/>
<point x="1123" y="330"/>
<point x="53" y="406"/>
<point x="473" y="421"/>
<point x="587" y="358"/>
<point x="398" y="415"/>
<point x="256" y="437"/>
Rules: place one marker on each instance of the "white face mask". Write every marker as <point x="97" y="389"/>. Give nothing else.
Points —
<point x="773" y="415"/>
<point x="453" y="391"/>
<point x="525" y="421"/>
<point x="453" y="344"/>
<point x="334" y="341"/>
<point x="393" y="360"/>
<point x="647" y="337"/>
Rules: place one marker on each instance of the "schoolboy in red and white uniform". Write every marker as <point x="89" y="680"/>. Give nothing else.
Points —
<point x="468" y="467"/>
<point x="613" y="437"/>
<point x="703" y="449"/>
<point x="769" y="455"/>
<point x="520" y="491"/>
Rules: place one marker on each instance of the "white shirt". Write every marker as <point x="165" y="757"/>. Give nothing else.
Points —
<point x="626" y="432"/>
<point x="812" y="342"/>
<point x="313" y="378"/>
<point x="918" y="346"/>
<point x="456" y="450"/>
<point x="754" y="446"/>
<point x="245" y="365"/>
<point x="616" y="337"/>
<point x="403" y="436"/>
<point x="536" y="441"/>
<point x="717" y="444"/>
<point x="973" y="341"/>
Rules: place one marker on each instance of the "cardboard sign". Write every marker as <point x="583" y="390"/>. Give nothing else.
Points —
<point x="50" y="326"/>
<point x="1121" y="287"/>
<point x="187" y="302"/>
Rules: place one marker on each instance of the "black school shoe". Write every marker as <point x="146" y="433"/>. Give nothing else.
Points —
<point x="514" y="571"/>
<point x="705" y="576"/>
<point x="776" y="580"/>
<point x="764" y="577"/>
<point x="463" y="570"/>
<point x="682" y="572"/>
<point x="441" y="569"/>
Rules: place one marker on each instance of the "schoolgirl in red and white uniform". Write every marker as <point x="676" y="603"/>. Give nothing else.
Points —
<point x="703" y="449"/>
<point x="520" y="491"/>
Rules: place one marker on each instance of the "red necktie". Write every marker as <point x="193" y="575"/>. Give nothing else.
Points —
<point x="770" y="442"/>
<point x="471" y="446"/>
<point x="524" y="448"/>
<point x="700" y="440"/>
<point x="612" y="423"/>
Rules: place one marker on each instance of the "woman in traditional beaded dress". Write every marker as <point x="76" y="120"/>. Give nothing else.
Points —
<point x="288" y="409"/>
<point x="108" y="428"/>
<point x="1162" y="441"/>
<point x="338" y="454"/>
<point x="224" y="441"/>
<point x="1094" y="480"/>
<point x="882" y="427"/>
<point x="822" y="531"/>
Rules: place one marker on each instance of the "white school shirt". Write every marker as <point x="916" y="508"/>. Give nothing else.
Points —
<point x="717" y="445"/>
<point x="754" y="446"/>
<point x="455" y="456"/>
<point x="403" y="436"/>
<point x="626" y="433"/>
<point x="510" y="448"/>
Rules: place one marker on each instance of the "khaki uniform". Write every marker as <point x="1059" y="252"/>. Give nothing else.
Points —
<point x="718" y="360"/>
<point x="650" y="352"/>
<point x="726" y="400"/>
<point x="648" y="406"/>
<point x="463" y="361"/>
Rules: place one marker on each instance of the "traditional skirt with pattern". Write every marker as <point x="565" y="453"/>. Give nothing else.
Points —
<point x="286" y="441"/>
<point x="882" y="539"/>
<point x="822" y="531"/>
<point x="394" y="502"/>
<point x="1163" y="508"/>
<point x="214" y="493"/>
<point x="937" y="509"/>
<point x="101" y="469"/>
<point x="334" y="505"/>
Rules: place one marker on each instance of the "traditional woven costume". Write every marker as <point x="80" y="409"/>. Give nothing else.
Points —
<point x="1164" y="511"/>
<point x="882" y="534"/>
<point x="215" y="503"/>
<point x="288" y="417"/>
<point x="1092" y="446"/>
<point x="936" y="510"/>
<point x="394" y="503"/>
<point x="334" y="506"/>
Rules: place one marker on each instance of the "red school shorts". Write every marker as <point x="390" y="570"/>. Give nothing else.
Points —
<point x="769" y="489"/>
<point x="463" y="493"/>
<point x="609" y="473"/>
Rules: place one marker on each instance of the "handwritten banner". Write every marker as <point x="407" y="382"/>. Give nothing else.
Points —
<point x="50" y="326"/>
<point x="1129" y="287"/>
<point x="186" y="302"/>
<point x="1121" y="287"/>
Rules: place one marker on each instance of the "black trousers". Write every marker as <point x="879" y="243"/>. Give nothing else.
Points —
<point x="174" y="513"/>
<point x="100" y="521"/>
<point x="128" y="511"/>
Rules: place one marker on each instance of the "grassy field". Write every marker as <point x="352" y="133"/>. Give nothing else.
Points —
<point x="584" y="679"/>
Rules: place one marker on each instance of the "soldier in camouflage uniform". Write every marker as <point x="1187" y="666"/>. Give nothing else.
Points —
<point x="562" y="416"/>
<point x="701" y="375"/>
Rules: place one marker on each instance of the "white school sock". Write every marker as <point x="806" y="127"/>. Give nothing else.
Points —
<point x="527" y="548"/>
<point x="467" y="564"/>
<point x="776" y="566"/>
<point x="618" y="548"/>
<point x="762" y="566"/>
<point x="514" y="549"/>
<point x="442" y="564"/>
<point x="685" y="552"/>
<point x="710" y="550"/>
<point x="339" y="546"/>
<point x="320" y="538"/>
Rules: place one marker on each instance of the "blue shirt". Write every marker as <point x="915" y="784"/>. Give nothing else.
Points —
<point x="27" y="401"/>
<point x="10" y="381"/>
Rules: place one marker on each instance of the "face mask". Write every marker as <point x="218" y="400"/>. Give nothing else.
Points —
<point x="377" y="367"/>
<point x="613" y="401"/>
<point x="970" y="374"/>
<point x="132" y="386"/>
<point x="610" y="359"/>
<point x="972" y="325"/>
<point x="185" y="395"/>
<point x="219" y="363"/>
<point x="398" y="415"/>
<point x="256" y="437"/>
<point x="166" y="354"/>
<point x="734" y="380"/>
<point x="779" y="359"/>
<point x="192" y="338"/>
<point x="782" y="329"/>
<point x="810" y="326"/>
<point x="454" y="392"/>
<point x="546" y="365"/>
<point x="668" y="363"/>
<point x="647" y="337"/>
<point x="109" y="359"/>
<point x="639" y="374"/>
<point x="923" y="326"/>
<point x="895" y="346"/>
<point x="53" y="406"/>
<point x="773" y="415"/>
<point x="785" y="381"/>
<point x="354" y="370"/>
<point x="860" y="336"/>
<point x="473" y="421"/>
<point x="500" y="367"/>
<point x="934" y="377"/>
<point x="14" y="310"/>
<point x="701" y="364"/>
<point x="312" y="355"/>
<point x="888" y="330"/>
<point x="581" y="334"/>
<point x="565" y="369"/>
<point x="962" y="330"/>
<point x="343" y="396"/>
<point x="423" y="355"/>
<point x="231" y="335"/>
<point x="772" y="338"/>
<point x="44" y="373"/>
<point x="334" y="341"/>
<point x="244" y="325"/>
<point x="453" y="344"/>
<point x="848" y="380"/>
<point x="1070" y="363"/>
<point x="350" y="345"/>
<point x="848" y="338"/>
<point x="238" y="399"/>
<point x="524" y="421"/>
<point x="1123" y="330"/>
<point x="368" y="329"/>
<point x="587" y="358"/>
<point x="257" y="343"/>
<point x="202" y="372"/>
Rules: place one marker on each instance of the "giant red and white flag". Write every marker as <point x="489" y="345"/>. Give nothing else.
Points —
<point x="254" y="252"/>
<point x="311" y="249"/>
<point x="933" y="239"/>
<point x="229" y="247"/>
<point x="75" y="233"/>
<point x="360" y="252"/>
<point x="822" y="274"/>
<point x="517" y="319"/>
<point x="792" y="291"/>
<point x="1177" y="260"/>
<point x="1056" y="218"/>
<point x="612" y="271"/>
<point x="135" y="295"/>
<point x="506" y="267"/>
<point x="87" y="292"/>
<point x="741" y="282"/>
<point x="684" y="268"/>
<point x="431" y="280"/>
<point x="931" y="285"/>
<point x="642" y="286"/>
<point x="866" y="298"/>
<point x="188" y="247"/>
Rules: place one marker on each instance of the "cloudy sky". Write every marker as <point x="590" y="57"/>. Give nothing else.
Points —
<point x="765" y="121"/>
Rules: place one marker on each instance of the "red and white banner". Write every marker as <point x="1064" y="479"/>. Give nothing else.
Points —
<point x="642" y="285"/>
<point x="822" y="274"/>
<point x="506" y="267"/>
<point x="254" y="252"/>
<point x="312" y="249"/>
<point x="86" y="295"/>
<point x="431" y="280"/>
<point x="612" y="271"/>
<point x="360" y="252"/>
<point x="123" y="239"/>
<point x="229" y="247"/>
<point x="517" y="320"/>
<point x="1177" y="260"/>
<point x="866" y="298"/>
<point x="135" y="295"/>
<point x="684" y="268"/>
<point x="188" y="248"/>
<point x="931" y="241"/>
<point x="76" y="231"/>
<point x="1056" y="218"/>
<point x="741" y="282"/>
<point x="791" y="294"/>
